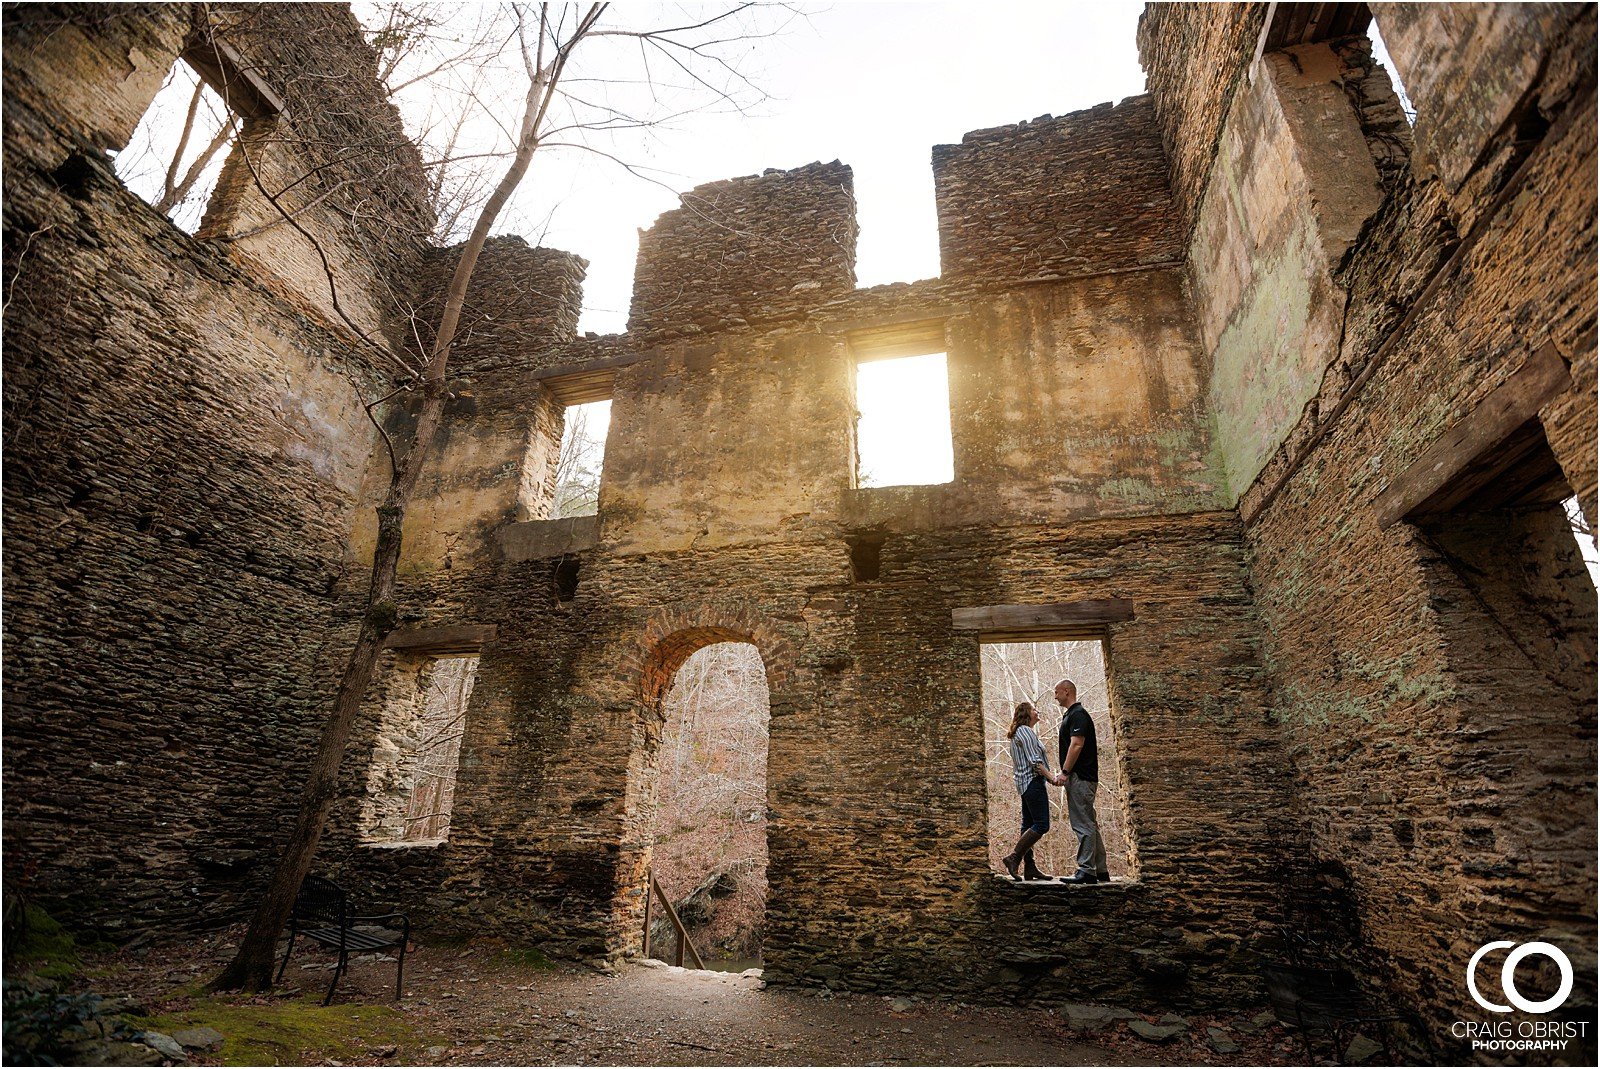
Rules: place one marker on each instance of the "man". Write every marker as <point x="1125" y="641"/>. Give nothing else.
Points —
<point x="1080" y="766"/>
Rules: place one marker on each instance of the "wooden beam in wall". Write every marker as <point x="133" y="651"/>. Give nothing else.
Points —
<point x="226" y="72"/>
<point x="1060" y="622"/>
<point x="582" y="383"/>
<point x="1289" y="25"/>
<point x="451" y="638"/>
<point x="888" y="341"/>
<point x="1489" y="442"/>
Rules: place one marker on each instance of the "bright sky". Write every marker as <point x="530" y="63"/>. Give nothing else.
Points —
<point x="903" y="434"/>
<point x="876" y="85"/>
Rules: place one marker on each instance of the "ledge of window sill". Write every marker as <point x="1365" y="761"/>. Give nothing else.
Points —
<point x="541" y="539"/>
<point x="1115" y="885"/>
<point x="403" y="844"/>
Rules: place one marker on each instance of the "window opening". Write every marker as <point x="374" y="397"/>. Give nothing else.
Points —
<point x="1015" y="672"/>
<point x="176" y="153"/>
<point x="1584" y="535"/>
<point x="582" y="456"/>
<point x="1380" y="52"/>
<point x="709" y="848"/>
<point x="903" y="422"/>
<point x="411" y="783"/>
<point x="566" y="578"/>
<point x="1511" y="581"/>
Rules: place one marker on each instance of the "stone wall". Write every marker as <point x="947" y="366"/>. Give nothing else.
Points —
<point x="548" y="841"/>
<point x="335" y="157"/>
<point x="1195" y="57"/>
<point x="184" y="445"/>
<point x="1294" y="184"/>
<point x="749" y="249"/>
<point x="1441" y="728"/>
<point x="1082" y="194"/>
<point x="522" y="302"/>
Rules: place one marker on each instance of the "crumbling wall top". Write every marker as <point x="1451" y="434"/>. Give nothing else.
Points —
<point x="761" y="247"/>
<point x="522" y="304"/>
<point x="1081" y="194"/>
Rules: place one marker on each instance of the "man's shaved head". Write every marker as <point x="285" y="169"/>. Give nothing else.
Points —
<point x="1066" y="692"/>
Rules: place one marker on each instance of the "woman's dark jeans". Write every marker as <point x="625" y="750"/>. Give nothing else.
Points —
<point x="1036" y="807"/>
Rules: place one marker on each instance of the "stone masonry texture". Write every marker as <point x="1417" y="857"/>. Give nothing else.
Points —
<point x="1077" y="195"/>
<point x="1191" y="339"/>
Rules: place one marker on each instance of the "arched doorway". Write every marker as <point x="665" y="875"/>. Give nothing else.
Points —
<point x="707" y="818"/>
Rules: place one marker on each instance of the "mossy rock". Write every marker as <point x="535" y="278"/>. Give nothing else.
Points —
<point x="530" y="958"/>
<point x="43" y="948"/>
<point x="295" y="1032"/>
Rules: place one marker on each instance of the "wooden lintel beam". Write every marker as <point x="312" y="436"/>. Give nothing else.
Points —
<point x="577" y="384"/>
<point x="918" y="316"/>
<point x="451" y="638"/>
<point x="1512" y="404"/>
<point x="225" y="70"/>
<point x="1061" y="619"/>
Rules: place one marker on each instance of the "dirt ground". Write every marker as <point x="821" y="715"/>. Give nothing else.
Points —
<point x="481" y="1005"/>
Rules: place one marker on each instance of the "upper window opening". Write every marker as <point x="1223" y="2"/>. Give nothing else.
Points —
<point x="582" y="456"/>
<point x="176" y="153"/>
<point x="1583" y="534"/>
<point x="903" y="422"/>
<point x="1380" y="52"/>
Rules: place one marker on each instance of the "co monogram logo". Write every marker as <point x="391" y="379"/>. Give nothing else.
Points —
<point x="1508" y="979"/>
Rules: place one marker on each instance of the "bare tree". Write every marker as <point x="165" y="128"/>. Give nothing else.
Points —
<point x="556" y="110"/>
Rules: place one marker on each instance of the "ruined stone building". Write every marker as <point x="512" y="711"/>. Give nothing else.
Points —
<point x="1271" y="391"/>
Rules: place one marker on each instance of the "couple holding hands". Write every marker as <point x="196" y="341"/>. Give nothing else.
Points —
<point x="1080" y="775"/>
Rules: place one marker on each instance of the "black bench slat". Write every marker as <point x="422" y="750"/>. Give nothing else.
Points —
<point x="354" y="939"/>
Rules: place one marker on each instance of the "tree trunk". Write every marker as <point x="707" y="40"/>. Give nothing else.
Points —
<point x="251" y="968"/>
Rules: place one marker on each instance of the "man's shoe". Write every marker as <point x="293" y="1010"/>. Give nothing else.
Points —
<point x="1081" y="877"/>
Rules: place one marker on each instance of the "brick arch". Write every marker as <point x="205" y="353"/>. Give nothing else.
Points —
<point x="674" y="633"/>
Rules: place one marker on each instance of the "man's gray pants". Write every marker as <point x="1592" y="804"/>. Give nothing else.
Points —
<point x="1081" y="815"/>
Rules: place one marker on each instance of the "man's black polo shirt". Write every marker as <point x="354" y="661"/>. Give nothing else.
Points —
<point x="1078" y="724"/>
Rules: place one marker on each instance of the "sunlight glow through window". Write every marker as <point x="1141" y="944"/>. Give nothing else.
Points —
<point x="903" y="434"/>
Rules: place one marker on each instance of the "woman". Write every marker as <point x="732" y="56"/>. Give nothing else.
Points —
<point x="1031" y="771"/>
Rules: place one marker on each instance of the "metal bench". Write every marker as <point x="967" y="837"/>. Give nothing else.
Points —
<point x="1315" y="999"/>
<point x="322" y="914"/>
